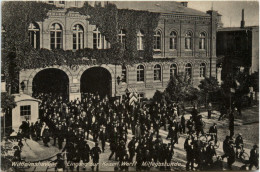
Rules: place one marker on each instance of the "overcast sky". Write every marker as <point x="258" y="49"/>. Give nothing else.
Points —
<point x="231" y="11"/>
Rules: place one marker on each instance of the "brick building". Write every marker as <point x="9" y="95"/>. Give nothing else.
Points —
<point x="186" y="37"/>
<point x="238" y="48"/>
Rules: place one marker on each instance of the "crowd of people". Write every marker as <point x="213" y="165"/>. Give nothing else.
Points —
<point x="72" y="124"/>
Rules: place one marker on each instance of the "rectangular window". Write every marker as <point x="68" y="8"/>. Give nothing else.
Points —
<point x="140" y="75"/>
<point x="25" y="110"/>
<point x="62" y="2"/>
<point x="74" y="41"/>
<point x="51" y="2"/>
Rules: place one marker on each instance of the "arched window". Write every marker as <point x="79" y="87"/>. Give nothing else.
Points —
<point x="188" y="41"/>
<point x="188" y="69"/>
<point x="78" y="37"/>
<point x="157" y="73"/>
<point x="202" y="41"/>
<point x="140" y="73"/>
<point x="140" y="43"/>
<point x="122" y="39"/>
<point x="124" y="74"/>
<point x="203" y="70"/>
<point x="173" y="70"/>
<point x="56" y="36"/>
<point x="34" y="35"/>
<point x="157" y="41"/>
<point x="173" y="40"/>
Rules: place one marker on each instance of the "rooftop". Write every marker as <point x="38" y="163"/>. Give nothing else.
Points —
<point x="237" y="28"/>
<point x="168" y="7"/>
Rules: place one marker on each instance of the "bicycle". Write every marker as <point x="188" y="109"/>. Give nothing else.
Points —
<point x="206" y="139"/>
<point x="242" y="155"/>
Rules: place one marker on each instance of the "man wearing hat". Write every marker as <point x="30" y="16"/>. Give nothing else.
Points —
<point x="231" y="154"/>
<point x="214" y="132"/>
<point x="239" y="144"/>
<point x="102" y="138"/>
<point x="95" y="151"/>
<point x="254" y="158"/>
<point x="60" y="165"/>
<point x="131" y="149"/>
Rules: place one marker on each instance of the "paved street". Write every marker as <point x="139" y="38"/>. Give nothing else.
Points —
<point x="108" y="165"/>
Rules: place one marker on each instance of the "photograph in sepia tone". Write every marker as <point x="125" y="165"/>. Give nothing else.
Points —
<point x="129" y="85"/>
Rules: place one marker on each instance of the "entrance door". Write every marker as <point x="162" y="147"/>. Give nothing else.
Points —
<point x="96" y="80"/>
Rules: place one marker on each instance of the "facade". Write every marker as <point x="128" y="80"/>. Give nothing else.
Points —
<point x="238" y="48"/>
<point x="186" y="39"/>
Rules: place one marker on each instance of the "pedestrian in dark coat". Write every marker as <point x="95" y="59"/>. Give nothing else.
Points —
<point x="102" y="138"/>
<point x="46" y="136"/>
<point x="182" y="124"/>
<point x="210" y="153"/>
<point x="190" y="157"/>
<point x="231" y="155"/>
<point x="131" y="149"/>
<point x="95" y="151"/>
<point x="254" y="158"/>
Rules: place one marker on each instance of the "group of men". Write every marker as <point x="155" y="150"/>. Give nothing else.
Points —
<point x="73" y="123"/>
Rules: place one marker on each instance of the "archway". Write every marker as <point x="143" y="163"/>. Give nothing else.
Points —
<point x="54" y="81"/>
<point x="96" y="80"/>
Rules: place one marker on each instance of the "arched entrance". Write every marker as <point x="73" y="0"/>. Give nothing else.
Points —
<point x="96" y="80"/>
<point x="54" y="81"/>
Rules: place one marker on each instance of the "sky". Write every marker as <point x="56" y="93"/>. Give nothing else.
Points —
<point x="231" y="11"/>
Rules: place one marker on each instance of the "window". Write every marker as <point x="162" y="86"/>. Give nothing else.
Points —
<point x="124" y="74"/>
<point x="157" y="41"/>
<point x="78" y="37"/>
<point x="122" y="39"/>
<point x="140" y="73"/>
<point x="188" y="69"/>
<point x="99" y="41"/>
<point x="140" y="43"/>
<point x="173" y="41"/>
<point x="188" y="41"/>
<point x="56" y="36"/>
<point x="34" y="35"/>
<point x="202" y="41"/>
<point x="25" y="110"/>
<point x="140" y="97"/>
<point x="62" y="2"/>
<point x="173" y="70"/>
<point x="202" y="70"/>
<point x="51" y="2"/>
<point x="157" y="73"/>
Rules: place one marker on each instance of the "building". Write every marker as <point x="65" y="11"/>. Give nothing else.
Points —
<point x="27" y="109"/>
<point x="184" y="36"/>
<point x="238" y="48"/>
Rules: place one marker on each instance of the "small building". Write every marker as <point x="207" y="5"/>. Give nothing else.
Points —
<point x="27" y="108"/>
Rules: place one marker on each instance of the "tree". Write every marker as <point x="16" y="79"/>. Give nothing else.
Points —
<point x="180" y="89"/>
<point x="208" y="86"/>
<point x="7" y="102"/>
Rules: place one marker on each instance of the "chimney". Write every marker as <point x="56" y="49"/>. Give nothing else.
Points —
<point x="242" y="25"/>
<point x="185" y="4"/>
